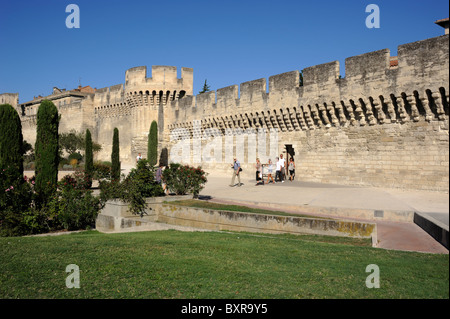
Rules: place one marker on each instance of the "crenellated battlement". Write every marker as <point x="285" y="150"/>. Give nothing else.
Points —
<point x="163" y="85"/>
<point x="110" y="102"/>
<point x="371" y="93"/>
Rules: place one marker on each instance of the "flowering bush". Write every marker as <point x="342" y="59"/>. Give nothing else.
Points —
<point x="16" y="196"/>
<point x="74" y="206"/>
<point x="78" y="180"/>
<point x="15" y="192"/>
<point x="184" y="179"/>
<point x="71" y="206"/>
<point x="102" y="170"/>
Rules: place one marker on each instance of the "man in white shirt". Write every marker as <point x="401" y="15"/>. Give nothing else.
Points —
<point x="138" y="158"/>
<point x="278" y="171"/>
<point x="282" y="168"/>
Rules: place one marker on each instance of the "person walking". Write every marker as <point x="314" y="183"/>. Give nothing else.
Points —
<point x="269" y="172"/>
<point x="158" y="175"/>
<point x="278" y="171"/>
<point x="291" y="169"/>
<point x="258" y="171"/>
<point x="236" y="166"/>
<point x="282" y="168"/>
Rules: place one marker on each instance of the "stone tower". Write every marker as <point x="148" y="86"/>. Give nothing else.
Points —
<point x="147" y="98"/>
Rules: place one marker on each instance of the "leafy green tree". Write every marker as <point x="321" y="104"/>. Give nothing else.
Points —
<point x="11" y="141"/>
<point x="115" y="157"/>
<point x="28" y="152"/>
<point x="152" y="149"/>
<point x="73" y="142"/>
<point x="205" y="88"/>
<point x="46" y="151"/>
<point x="89" y="157"/>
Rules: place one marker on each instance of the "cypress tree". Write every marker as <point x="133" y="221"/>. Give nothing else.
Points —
<point x="46" y="150"/>
<point x="115" y="157"/>
<point x="11" y="143"/>
<point x="152" y="149"/>
<point x="89" y="157"/>
<point x="164" y="157"/>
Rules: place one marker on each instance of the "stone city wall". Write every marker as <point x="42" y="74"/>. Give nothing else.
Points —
<point x="383" y="124"/>
<point x="379" y="125"/>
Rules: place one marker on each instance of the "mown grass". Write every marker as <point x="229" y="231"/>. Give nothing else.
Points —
<point x="172" y="264"/>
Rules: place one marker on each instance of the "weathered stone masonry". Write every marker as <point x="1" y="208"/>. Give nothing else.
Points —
<point x="383" y="124"/>
<point x="380" y="125"/>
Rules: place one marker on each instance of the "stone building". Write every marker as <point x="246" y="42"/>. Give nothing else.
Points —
<point x="384" y="124"/>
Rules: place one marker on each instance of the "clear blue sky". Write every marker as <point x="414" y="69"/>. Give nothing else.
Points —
<point x="226" y="42"/>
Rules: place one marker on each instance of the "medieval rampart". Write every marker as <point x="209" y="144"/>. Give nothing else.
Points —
<point x="385" y="123"/>
<point x="379" y="125"/>
<point x="133" y="106"/>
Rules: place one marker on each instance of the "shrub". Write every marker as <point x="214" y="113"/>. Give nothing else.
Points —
<point x="110" y="190"/>
<point x="73" y="163"/>
<point x="34" y="221"/>
<point x="78" y="209"/>
<point x="77" y="156"/>
<point x="183" y="179"/>
<point x="138" y="185"/>
<point x="78" y="180"/>
<point x="74" y="206"/>
<point x="143" y="178"/>
<point x="16" y="196"/>
<point x="101" y="170"/>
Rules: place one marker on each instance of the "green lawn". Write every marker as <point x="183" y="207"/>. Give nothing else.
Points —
<point x="172" y="264"/>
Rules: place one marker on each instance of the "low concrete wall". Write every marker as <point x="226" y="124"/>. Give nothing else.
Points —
<point x="116" y="217"/>
<point x="118" y="208"/>
<point x="339" y="212"/>
<point x="249" y="222"/>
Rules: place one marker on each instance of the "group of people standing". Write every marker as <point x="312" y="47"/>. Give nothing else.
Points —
<point x="280" y="172"/>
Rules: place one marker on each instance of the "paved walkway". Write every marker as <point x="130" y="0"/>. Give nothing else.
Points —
<point x="338" y="200"/>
